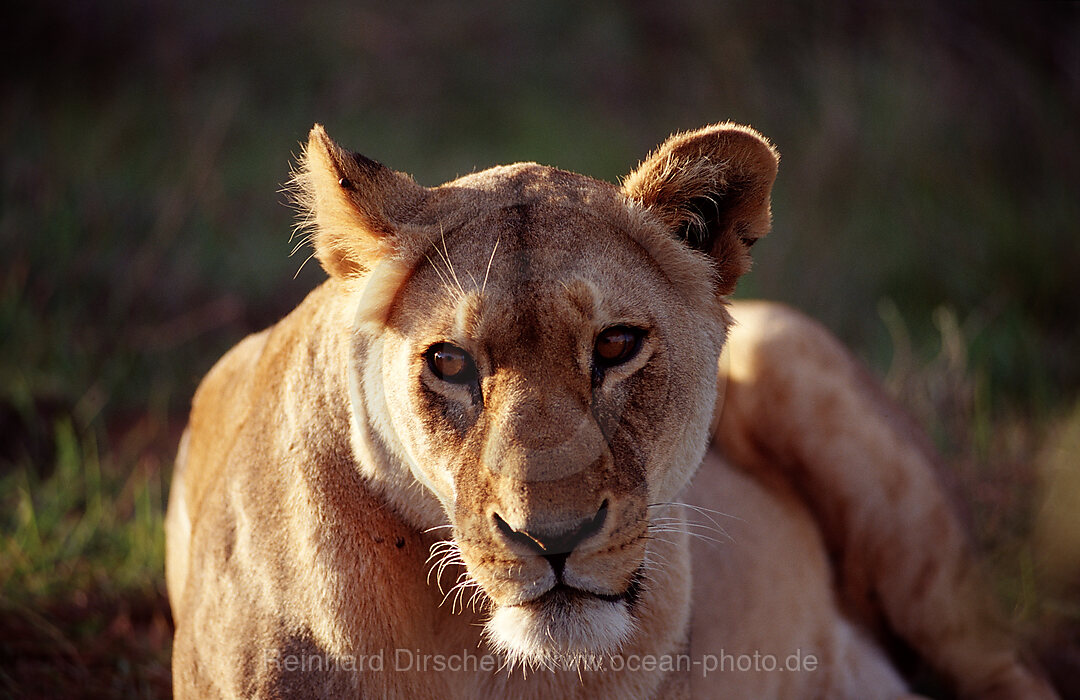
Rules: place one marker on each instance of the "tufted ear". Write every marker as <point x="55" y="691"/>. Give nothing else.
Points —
<point x="711" y="188"/>
<point x="353" y="206"/>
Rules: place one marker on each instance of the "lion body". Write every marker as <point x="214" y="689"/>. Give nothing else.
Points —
<point x="347" y="521"/>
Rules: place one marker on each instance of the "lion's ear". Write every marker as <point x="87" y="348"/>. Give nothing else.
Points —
<point x="711" y="188"/>
<point x="352" y="205"/>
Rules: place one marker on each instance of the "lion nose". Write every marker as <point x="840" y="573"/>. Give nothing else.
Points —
<point x="554" y="546"/>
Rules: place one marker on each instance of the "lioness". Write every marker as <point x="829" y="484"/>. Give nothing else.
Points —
<point x="458" y="468"/>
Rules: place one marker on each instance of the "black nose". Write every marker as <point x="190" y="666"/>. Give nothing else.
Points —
<point x="555" y="546"/>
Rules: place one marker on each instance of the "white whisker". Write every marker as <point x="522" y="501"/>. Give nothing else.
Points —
<point x="700" y="509"/>
<point x="446" y="258"/>
<point x="457" y="585"/>
<point x="695" y="535"/>
<point x="490" y="259"/>
<point x="439" y="272"/>
<point x="691" y="525"/>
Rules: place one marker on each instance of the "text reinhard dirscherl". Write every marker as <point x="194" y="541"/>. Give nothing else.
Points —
<point x="414" y="660"/>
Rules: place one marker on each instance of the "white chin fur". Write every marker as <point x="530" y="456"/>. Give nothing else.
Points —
<point x="559" y="634"/>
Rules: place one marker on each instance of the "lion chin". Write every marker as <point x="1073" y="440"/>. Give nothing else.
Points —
<point x="563" y="628"/>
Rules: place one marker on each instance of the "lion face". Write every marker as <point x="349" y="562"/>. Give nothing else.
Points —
<point x="541" y="348"/>
<point x="538" y="394"/>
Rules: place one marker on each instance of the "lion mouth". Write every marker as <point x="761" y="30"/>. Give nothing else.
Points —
<point x="565" y="626"/>
<point x="562" y="595"/>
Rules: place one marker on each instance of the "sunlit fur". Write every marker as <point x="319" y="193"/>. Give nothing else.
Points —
<point x="550" y="636"/>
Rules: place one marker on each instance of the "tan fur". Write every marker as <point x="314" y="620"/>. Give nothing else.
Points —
<point x="339" y="513"/>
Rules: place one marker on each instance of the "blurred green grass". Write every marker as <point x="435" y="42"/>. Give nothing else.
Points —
<point x="926" y="211"/>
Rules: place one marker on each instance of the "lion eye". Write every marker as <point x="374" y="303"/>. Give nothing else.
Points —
<point x="450" y="363"/>
<point x="616" y="345"/>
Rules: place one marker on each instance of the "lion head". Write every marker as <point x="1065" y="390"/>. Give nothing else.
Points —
<point x="534" y="362"/>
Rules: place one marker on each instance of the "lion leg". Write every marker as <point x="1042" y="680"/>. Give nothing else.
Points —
<point x="766" y="620"/>
<point x="797" y="406"/>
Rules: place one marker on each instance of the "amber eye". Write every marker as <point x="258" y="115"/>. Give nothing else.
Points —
<point x="616" y="345"/>
<point x="450" y="363"/>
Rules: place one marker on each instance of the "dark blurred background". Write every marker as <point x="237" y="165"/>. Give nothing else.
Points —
<point x="927" y="211"/>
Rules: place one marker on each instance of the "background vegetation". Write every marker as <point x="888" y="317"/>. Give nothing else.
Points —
<point x="927" y="211"/>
